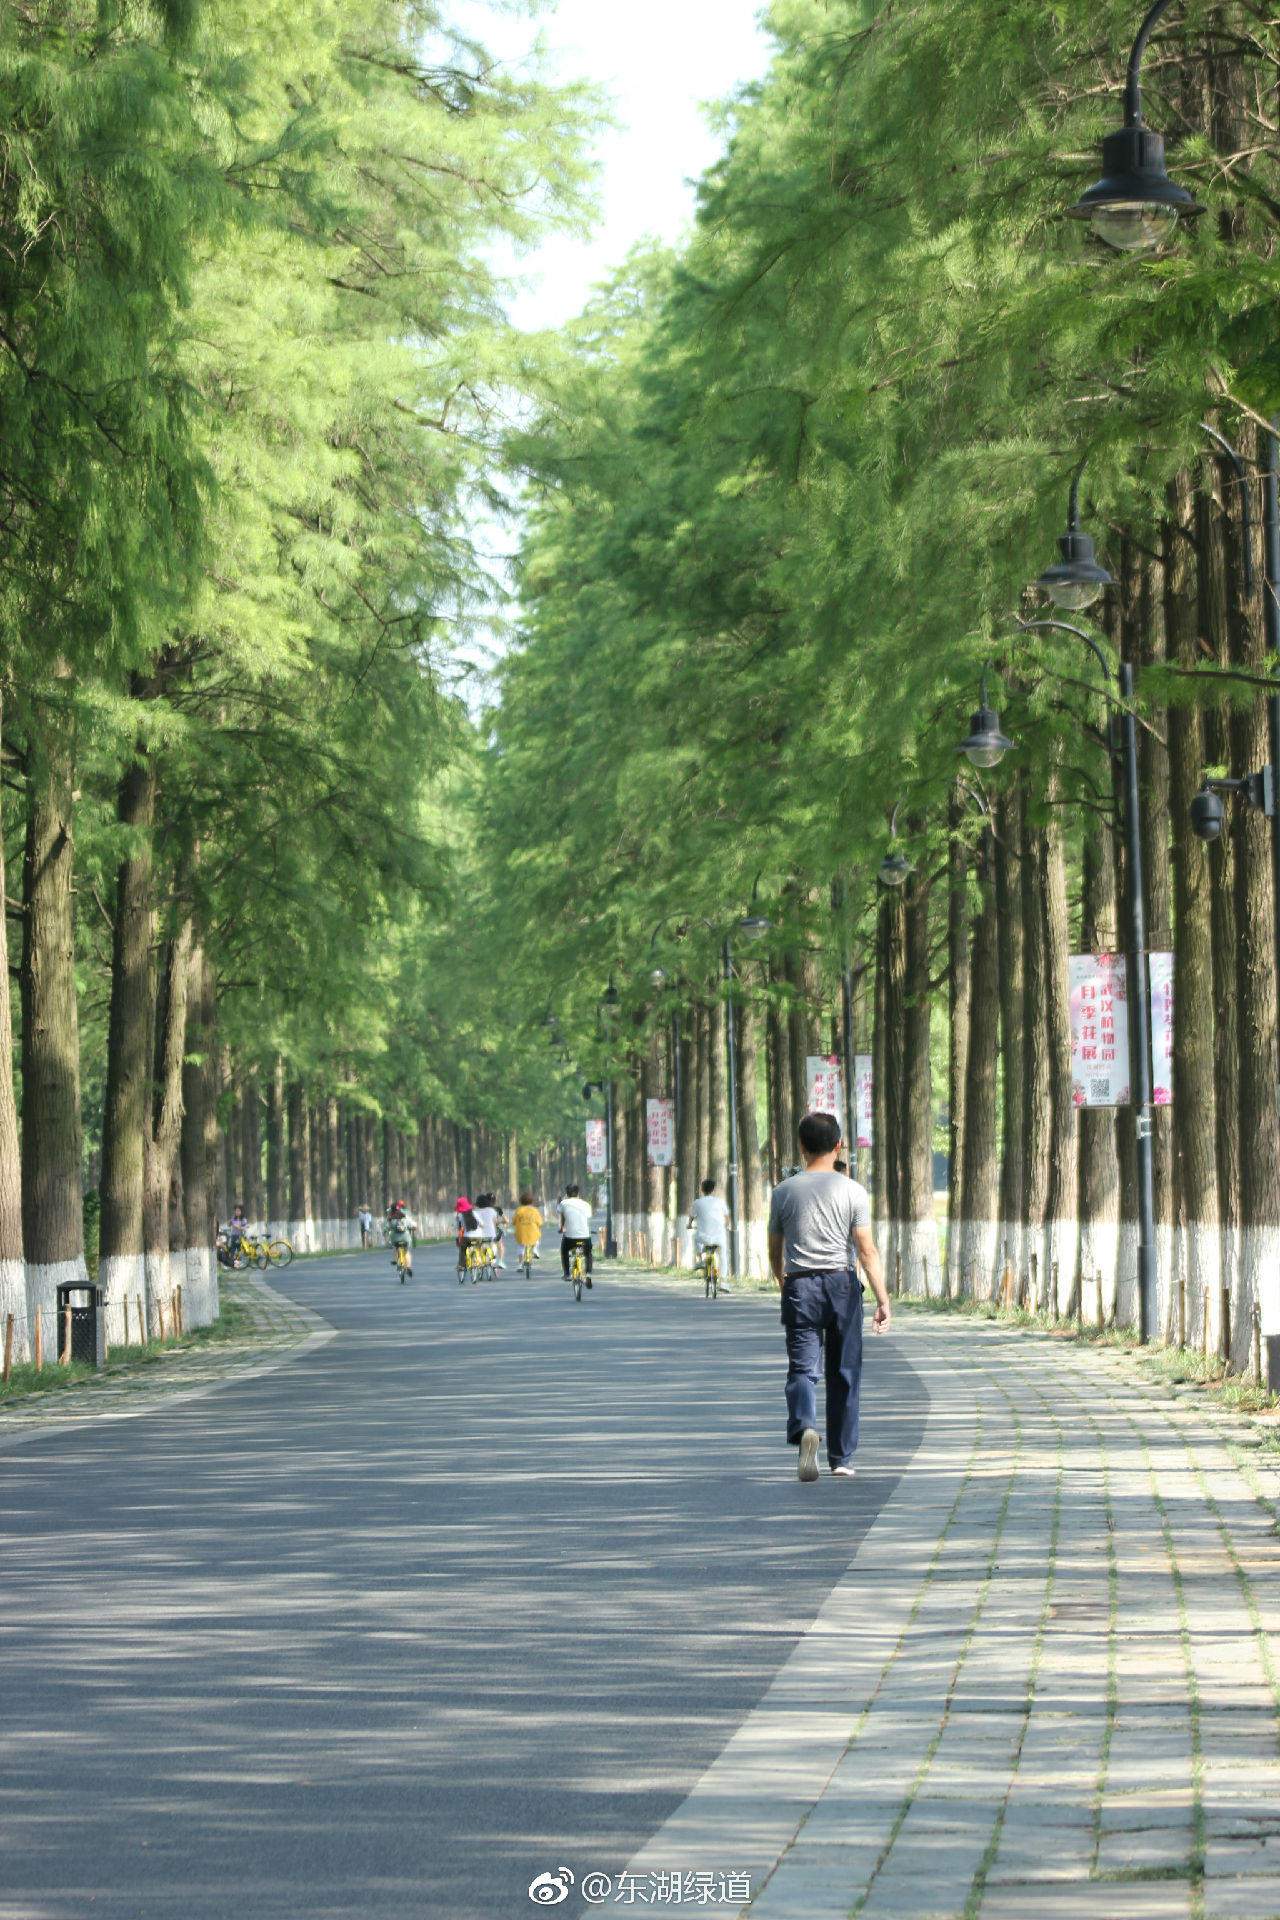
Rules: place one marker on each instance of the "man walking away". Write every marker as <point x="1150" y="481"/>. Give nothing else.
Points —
<point x="813" y="1218"/>
<point x="575" y="1229"/>
<point x="708" y="1220"/>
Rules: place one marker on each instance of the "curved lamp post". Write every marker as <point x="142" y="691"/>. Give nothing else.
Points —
<point x="1135" y="965"/>
<point x="895" y="869"/>
<point x="1077" y="580"/>
<point x="986" y="744"/>
<point x="1135" y="205"/>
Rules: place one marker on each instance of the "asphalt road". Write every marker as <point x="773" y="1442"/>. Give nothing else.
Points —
<point x="477" y="1589"/>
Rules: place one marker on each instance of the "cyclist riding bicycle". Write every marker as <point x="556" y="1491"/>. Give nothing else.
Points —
<point x="708" y="1220"/>
<point x="489" y="1224"/>
<point x="527" y="1222"/>
<point x="401" y="1227"/>
<point x="575" y="1230"/>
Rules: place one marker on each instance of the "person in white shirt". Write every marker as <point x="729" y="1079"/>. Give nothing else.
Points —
<point x="709" y="1220"/>
<point x="489" y="1221"/>
<point x="575" y="1230"/>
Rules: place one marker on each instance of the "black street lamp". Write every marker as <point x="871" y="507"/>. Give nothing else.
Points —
<point x="1135" y="205"/>
<point x="895" y="869"/>
<point x="1135" y="966"/>
<point x="985" y="745"/>
<point x="1077" y="580"/>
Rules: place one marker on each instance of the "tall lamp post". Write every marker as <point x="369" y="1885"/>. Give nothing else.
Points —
<point x="1136" y="964"/>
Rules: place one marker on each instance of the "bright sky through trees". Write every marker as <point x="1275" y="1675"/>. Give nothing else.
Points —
<point x="660" y="65"/>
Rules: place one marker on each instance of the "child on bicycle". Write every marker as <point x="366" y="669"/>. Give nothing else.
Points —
<point x="527" y="1223"/>
<point x="708" y="1220"/>
<point x="490" y="1221"/>
<point x="401" y="1227"/>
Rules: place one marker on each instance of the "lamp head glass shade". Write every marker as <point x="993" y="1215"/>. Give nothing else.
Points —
<point x="659" y="977"/>
<point x="1077" y="580"/>
<point x="1135" y="205"/>
<point x="610" y="995"/>
<point x="755" y="926"/>
<point x="1208" y="816"/>
<point x="985" y="745"/>
<point x="895" y="869"/>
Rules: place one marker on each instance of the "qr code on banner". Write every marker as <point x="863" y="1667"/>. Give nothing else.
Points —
<point x="1099" y="1093"/>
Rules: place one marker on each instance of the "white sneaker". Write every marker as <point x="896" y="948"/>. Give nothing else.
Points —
<point x="845" y="1471"/>
<point x="501" y="1265"/>
<point x="808" y="1467"/>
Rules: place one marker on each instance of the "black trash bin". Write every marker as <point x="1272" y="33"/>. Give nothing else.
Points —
<point x="88" y="1323"/>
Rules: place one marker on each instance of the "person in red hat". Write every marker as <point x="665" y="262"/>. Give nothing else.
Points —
<point x="462" y="1217"/>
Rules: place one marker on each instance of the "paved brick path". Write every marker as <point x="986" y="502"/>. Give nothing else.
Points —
<point x="271" y="1327"/>
<point x="1048" y="1685"/>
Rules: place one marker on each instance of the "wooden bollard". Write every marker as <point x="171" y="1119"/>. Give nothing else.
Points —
<point x="1257" y="1344"/>
<point x="1226" y="1324"/>
<point x="39" y="1340"/>
<point x="160" y="1316"/>
<point x="897" y="1273"/>
<point x="1102" y="1317"/>
<point x="66" y="1338"/>
<point x="126" y="1319"/>
<point x="8" y="1348"/>
<point x="925" y="1266"/>
<point x="142" y="1320"/>
<point x="1182" y="1313"/>
<point x="1007" y="1288"/>
<point x="1204" y="1331"/>
<point x="1035" y="1283"/>
<point x="1055" y="1289"/>
<point x="178" y="1327"/>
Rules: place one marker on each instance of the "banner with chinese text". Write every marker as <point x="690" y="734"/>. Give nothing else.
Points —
<point x="661" y="1118"/>
<point x="1099" y="992"/>
<point x="597" y="1149"/>
<point x="826" y="1084"/>
<point x="865" y="1082"/>
<point x="1160" y="973"/>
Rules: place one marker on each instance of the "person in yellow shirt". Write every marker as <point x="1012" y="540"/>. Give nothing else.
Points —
<point x="527" y="1224"/>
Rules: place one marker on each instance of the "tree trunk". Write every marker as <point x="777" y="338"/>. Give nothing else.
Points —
<point x="717" y="1098"/>
<point x="919" y="1232"/>
<point x="277" y="1163"/>
<point x="755" y="1259"/>
<point x="703" y="1094"/>
<point x="1062" y="1239"/>
<point x="1197" y="1268"/>
<point x="121" y="1269"/>
<point x="251" y="1123"/>
<point x="233" y="1130"/>
<point x="52" y="1220"/>
<point x="1037" y="1118"/>
<point x="1259" y="1277"/>
<point x="687" y="1137"/>
<point x="1013" y="1021"/>
<point x="895" y="1075"/>
<point x="200" y="1282"/>
<point x="979" y="1225"/>
<point x="958" y="1036"/>
<point x="1153" y="774"/>
<point x="879" y="1078"/>
<point x="164" y="1128"/>
<point x="13" y="1272"/>
<point x="654" y="1222"/>
<point x="1212" y="536"/>
<point x="300" y="1207"/>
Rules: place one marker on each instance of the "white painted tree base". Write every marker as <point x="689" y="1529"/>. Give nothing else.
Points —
<point x="13" y="1300"/>
<point x="200" y="1288"/>
<point x="918" y="1244"/>
<point x="979" y="1244"/>
<point x="123" y="1278"/>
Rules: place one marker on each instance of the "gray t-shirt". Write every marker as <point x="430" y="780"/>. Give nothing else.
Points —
<point x="816" y="1214"/>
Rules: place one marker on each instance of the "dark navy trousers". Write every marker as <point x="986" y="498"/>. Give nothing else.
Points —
<point x="822" y="1317"/>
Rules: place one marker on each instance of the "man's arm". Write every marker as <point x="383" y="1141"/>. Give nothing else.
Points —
<point x="777" y="1246"/>
<point x="869" y="1255"/>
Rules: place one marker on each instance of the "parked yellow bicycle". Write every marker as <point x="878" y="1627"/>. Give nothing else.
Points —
<point x="266" y="1253"/>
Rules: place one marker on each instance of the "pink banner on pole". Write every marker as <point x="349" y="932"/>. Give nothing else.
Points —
<point x="865" y="1080"/>
<point x="1160" y="966"/>
<point x="597" y="1148"/>
<point x="1099" y="990"/>
<point x="660" y="1116"/>
<point x="826" y="1084"/>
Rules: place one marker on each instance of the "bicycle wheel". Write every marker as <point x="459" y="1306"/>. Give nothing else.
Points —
<point x="261" y="1259"/>
<point x="577" y="1282"/>
<point x="279" y="1253"/>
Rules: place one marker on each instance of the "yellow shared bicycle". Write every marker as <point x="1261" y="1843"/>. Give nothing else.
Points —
<point x="401" y="1263"/>
<point x="577" y="1271"/>
<point x="482" y="1262"/>
<point x="709" y="1261"/>
<point x="265" y="1253"/>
